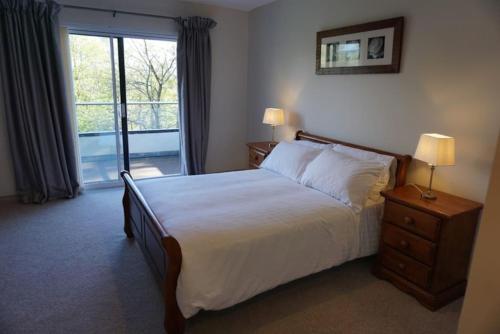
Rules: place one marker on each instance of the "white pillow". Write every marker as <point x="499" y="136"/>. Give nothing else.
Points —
<point x="312" y="144"/>
<point x="387" y="178"/>
<point x="346" y="179"/>
<point x="289" y="160"/>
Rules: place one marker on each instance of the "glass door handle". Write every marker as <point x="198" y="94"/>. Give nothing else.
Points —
<point x="123" y="110"/>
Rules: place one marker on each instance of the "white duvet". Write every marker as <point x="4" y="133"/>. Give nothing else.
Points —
<point x="242" y="233"/>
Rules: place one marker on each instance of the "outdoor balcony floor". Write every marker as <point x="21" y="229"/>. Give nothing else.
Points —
<point x="100" y="170"/>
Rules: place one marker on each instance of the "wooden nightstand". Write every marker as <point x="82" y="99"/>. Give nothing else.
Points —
<point x="425" y="245"/>
<point x="257" y="152"/>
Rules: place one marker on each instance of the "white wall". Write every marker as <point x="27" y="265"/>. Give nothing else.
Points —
<point x="449" y="81"/>
<point x="227" y="140"/>
<point x="481" y="310"/>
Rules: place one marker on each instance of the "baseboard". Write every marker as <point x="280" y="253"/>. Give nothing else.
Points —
<point x="9" y="198"/>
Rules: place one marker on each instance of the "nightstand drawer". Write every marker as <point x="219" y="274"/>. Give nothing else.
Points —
<point x="410" y="244"/>
<point x="412" y="220"/>
<point x="405" y="266"/>
<point x="255" y="158"/>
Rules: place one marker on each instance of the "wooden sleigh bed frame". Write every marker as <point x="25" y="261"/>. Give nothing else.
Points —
<point x="163" y="252"/>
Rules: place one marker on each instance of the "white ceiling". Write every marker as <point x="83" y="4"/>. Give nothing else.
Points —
<point x="246" y="5"/>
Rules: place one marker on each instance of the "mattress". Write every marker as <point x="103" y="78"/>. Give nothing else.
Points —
<point x="369" y="227"/>
<point x="242" y="233"/>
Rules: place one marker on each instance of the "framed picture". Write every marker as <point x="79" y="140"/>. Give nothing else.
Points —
<point x="373" y="47"/>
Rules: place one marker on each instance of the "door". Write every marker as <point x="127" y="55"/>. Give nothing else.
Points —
<point x="152" y="110"/>
<point x="95" y="85"/>
<point x="126" y="104"/>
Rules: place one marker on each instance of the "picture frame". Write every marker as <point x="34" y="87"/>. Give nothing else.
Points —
<point x="373" y="47"/>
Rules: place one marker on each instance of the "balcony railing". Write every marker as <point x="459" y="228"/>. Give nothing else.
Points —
<point x="141" y="143"/>
<point x="153" y="138"/>
<point x="100" y="116"/>
<point x="153" y="129"/>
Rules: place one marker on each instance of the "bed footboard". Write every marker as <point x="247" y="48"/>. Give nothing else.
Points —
<point x="161" y="250"/>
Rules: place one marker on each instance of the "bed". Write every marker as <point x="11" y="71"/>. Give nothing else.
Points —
<point x="216" y="240"/>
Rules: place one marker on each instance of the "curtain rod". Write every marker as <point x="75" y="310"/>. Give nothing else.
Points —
<point x="114" y="12"/>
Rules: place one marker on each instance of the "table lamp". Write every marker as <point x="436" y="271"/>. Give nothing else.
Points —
<point x="274" y="117"/>
<point x="435" y="150"/>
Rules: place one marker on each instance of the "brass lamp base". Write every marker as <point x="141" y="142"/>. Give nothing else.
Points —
<point x="429" y="195"/>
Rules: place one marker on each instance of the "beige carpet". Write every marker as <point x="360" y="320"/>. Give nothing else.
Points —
<point x="66" y="267"/>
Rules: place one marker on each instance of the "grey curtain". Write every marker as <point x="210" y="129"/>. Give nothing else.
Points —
<point x="38" y="123"/>
<point x="194" y="67"/>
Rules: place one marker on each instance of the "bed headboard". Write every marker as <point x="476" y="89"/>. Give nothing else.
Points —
<point x="402" y="160"/>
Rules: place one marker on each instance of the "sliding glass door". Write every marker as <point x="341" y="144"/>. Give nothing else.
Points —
<point x="152" y="108"/>
<point x="95" y="85"/>
<point x="126" y="104"/>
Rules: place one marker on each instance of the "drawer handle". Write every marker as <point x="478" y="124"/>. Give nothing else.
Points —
<point x="409" y="220"/>
<point x="256" y="158"/>
<point x="402" y="266"/>
<point x="404" y="244"/>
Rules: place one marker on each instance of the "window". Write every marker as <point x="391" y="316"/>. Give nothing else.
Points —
<point x="131" y="124"/>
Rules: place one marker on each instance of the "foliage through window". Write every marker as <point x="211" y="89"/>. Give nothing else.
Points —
<point x="151" y="76"/>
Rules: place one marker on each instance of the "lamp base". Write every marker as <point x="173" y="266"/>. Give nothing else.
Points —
<point x="429" y="195"/>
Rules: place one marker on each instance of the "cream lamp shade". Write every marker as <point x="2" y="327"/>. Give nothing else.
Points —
<point x="274" y="116"/>
<point x="436" y="149"/>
